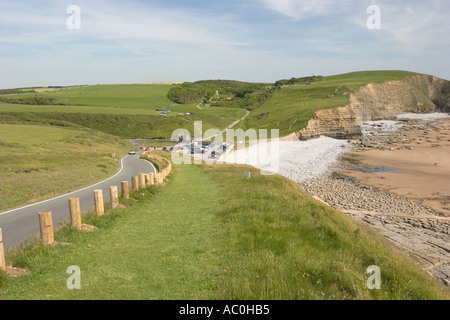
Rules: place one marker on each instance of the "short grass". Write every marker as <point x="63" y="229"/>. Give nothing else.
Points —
<point x="210" y="233"/>
<point x="123" y="124"/>
<point x="38" y="162"/>
<point x="23" y="108"/>
<point x="355" y="80"/>
<point x="290" y="108"/>
<point x="124" y="110"/>
<point x="158" y="248"/>
<point x="129" y="96"/>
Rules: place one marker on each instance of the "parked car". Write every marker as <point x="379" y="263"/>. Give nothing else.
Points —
<point x="132" y="152"/>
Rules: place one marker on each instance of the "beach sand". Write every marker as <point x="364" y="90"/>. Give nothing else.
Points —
<point x="417" y="164"/>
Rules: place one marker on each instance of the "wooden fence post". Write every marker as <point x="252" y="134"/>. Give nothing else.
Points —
<point x="142" y="180"/>
<point x="147" y="180"/>
<point x="75" y="213"/>
<point x="152" y="179"/>
<point x="125" y="190"/>
<point x="114" y="196"/>
<point x="46" y="225"/>
<point x="98" y="199"/>
<point x="2" y="253"/>
<point x="134" y="183"/>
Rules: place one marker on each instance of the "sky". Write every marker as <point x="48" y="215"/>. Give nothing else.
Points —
<point x="47" y="42"/>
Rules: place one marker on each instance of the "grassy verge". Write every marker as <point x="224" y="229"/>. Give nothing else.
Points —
<point x="282" y="244"/>
<point x="212" y="234"/>
<point x="39" y="162"/>
<point x="155" y="157"/>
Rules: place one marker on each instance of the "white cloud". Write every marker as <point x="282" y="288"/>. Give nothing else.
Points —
<point x="104" y="20"/>
<point x="156" y="24"/>
<point x="414" y="28"/>
<point x="414" y="25"/>
<point x="299" y="9"/>
<point x="418" y="25"/>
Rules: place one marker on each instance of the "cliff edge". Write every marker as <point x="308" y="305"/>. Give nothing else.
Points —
<point x="376" y="101"/>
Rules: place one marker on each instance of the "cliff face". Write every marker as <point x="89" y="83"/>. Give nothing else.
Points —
<point x="419" y="93"/>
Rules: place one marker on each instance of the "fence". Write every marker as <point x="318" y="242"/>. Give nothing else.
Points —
<point x="45" y="217"/>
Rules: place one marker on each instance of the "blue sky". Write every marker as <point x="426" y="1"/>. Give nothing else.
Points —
<point x="139" y="41"/>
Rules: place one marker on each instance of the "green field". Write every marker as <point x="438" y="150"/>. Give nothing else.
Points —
<point x="127" y="111"/>
<point x="39" y="162"/>
<point x="23" y="108"/>
<point x="226" y="238"/>
<point x="128" y="96"/>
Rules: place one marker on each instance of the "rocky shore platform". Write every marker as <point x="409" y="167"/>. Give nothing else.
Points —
<point x="396" y="180"/>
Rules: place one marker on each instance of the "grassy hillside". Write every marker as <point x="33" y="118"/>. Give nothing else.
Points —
<point x="128" y="125"/>
<point x="290" y="108"/>
<point x="39" y="162"/>
<point x="266" y="239"/>
<point x="129" y="96"/>
<point x="128" y="111"/>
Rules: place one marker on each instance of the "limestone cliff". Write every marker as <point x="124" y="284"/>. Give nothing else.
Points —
<point x="419" y="93"/>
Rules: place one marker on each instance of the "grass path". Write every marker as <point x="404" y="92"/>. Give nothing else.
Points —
<point x="162" y="249"/>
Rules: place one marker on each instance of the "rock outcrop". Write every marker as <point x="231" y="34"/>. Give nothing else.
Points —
<point x="375" y="101"/>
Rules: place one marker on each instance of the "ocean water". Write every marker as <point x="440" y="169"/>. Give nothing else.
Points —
<point x="423" y="116"/>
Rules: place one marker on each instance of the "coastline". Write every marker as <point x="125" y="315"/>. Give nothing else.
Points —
<point x="381" y="180"/>
<point x="395" y="182"/>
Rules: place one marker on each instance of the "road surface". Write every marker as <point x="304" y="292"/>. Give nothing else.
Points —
<point x="22" y="223"/>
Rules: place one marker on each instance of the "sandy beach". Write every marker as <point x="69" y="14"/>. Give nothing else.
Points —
<point x="415" y="165"/>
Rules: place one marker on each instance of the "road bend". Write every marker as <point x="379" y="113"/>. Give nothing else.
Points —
<point x="23" y="223"/>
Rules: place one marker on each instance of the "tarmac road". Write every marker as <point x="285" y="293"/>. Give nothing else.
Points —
<point x="23" y="223"/>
